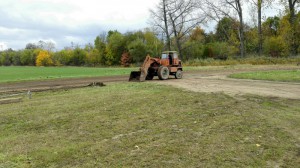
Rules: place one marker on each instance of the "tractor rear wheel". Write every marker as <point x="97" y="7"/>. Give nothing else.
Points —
<point x="163" y="73"/>
<point x="178" y="74"/>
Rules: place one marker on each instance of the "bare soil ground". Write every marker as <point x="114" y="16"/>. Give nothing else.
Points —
<point x="199" y="81"/>
<point x="17" y="87"/>
<point x="217" y="81"/>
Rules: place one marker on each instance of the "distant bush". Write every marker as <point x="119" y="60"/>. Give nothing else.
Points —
<point x="137" y="50"/>
<point x="219" y="50"/>
<point x="9" y="57"/>
<point x="63" y="57"/>
<point x="193" y="50"/>
<point x="44" y="59"/>
<point x="276" y="47"/>
<point x="5" y="58"/>
<point x="78" y="58"/>
<point x="28" y="56"/>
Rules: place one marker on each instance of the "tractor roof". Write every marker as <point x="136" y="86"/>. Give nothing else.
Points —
<point x="165" y="52"/>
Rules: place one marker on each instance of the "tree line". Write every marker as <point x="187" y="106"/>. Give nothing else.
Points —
<point x="111" y="48"/>
<point x="178" y="25"/>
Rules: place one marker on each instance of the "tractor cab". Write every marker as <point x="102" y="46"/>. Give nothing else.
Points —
<point x="170" y="58"/>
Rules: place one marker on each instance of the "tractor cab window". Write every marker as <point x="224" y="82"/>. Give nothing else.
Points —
<point x="164" y="56"/>
<point x="175" y="55"/>
<point x="167" y="55"/>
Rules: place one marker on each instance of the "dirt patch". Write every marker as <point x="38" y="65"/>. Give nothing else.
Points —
<point x="36" y="86"/>
<point x="219" y="82"/>
<point x="236" y="86"/>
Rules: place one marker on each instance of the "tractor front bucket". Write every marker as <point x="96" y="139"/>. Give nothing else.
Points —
<point x="137" y="76"/>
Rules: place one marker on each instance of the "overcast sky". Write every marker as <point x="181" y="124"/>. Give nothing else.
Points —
<point x="66" y="21"/>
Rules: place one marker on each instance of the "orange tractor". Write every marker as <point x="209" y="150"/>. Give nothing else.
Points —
<point x="168" y="64"/>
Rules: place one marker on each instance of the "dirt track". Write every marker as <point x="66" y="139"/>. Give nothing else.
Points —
<point x="199" y="81"/>
<point x="220" y="83"/>
<point x="56" y="84"/>
<point x="217" y="81"/>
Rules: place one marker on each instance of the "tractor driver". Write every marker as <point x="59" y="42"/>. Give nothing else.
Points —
<point x="170" y="59"/>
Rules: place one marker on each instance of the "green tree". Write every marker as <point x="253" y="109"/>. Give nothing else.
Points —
<point x="10" y="57"/>
<point x="153" y="44"/>
<point x="63" y="57"/>
<point x="194" y="47"/>
<point x="276" y="46"/>
<point x="226" y="31"/>
<point x="28" y="56"/>
<point x="290" y="32"/>
<point x="271" y="26"/>
<point x="192" y="50"/>
<point x="148" y="38"/>
<point x="93" y="57"/>
<point x="137" y="50"/>
<point x="115" y="48"/>
<point x="100" y="45"/>
<point x="219" y="50"/>
<point x="197" y="34"/>
<point x="224" y="28"/>
<point x="78" y="58"/>
<point x="252" y="41"/>
<point x="6" y="57"/>
<point x="16" y="58"/>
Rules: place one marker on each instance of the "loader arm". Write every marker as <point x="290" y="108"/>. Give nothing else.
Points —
<point x="144" y="68"/>
<point x="142" y="74"/>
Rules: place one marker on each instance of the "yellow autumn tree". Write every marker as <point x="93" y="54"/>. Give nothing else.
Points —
<point x="44" y="59"/>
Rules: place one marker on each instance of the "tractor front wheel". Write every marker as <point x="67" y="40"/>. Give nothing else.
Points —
<point x="178" y="74"/>
<point x="163" y="73"/>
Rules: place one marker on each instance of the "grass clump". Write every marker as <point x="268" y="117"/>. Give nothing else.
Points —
<point x="148" y="125"/>
<point x="283" y="75"/>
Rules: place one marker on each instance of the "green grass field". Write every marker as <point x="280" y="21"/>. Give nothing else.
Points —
<point x="284" y="76"/>
<point x="13" y="74"/>
<point x="23" y="73"/>
<point x="148" y="125"/>
<point x="27" y="73"/>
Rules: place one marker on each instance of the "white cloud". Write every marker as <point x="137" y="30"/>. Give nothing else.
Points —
<point x="3" y="46"/>
<point x="22" y="21"/>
